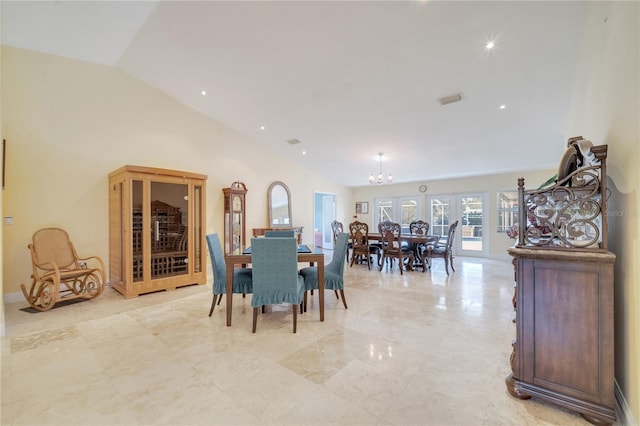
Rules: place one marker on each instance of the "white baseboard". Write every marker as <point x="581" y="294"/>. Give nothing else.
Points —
<point x="13" y="297"/>
<point x="623" y="411"/>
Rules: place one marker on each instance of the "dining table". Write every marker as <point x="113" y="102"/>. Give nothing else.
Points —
<point x="413" y="240"/>
<point x="242" y="256"/>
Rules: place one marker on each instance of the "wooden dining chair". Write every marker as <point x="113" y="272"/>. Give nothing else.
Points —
<point x="419" y="227"/>
<point x="442" y="249"/>
<point x="333" y="271"/>
<point x="360" y="247"/>
<point x="392" y="246"/>
<point x="275" y="275"/>
<point x="242" y="277"/>
<point x="336" y="229"/>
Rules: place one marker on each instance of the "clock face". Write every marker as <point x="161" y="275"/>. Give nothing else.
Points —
<point x="237" y="203"/>
<point x="423" y="188"/>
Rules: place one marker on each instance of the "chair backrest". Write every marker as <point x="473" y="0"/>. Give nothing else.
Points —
<point x="217" y="263"/>
<point x="419" y="227"/>
<point x="53" y="245"/>
<point x="339" y="254"/>
<point x="450" y="234"/>
<point x="279" y="234"/>
<point x="274" y="262"/>
<point x="359" y="232"/>
<point x="336" y="228"/>
<point x="390" y="234"/>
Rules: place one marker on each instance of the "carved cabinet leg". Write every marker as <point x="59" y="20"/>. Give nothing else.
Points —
<point x="511" y="387"/>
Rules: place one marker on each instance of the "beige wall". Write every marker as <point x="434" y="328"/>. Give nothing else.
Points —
<point x="498" y="242"/>
<point x="606" y="109"/>
<point x="69" y="123"/>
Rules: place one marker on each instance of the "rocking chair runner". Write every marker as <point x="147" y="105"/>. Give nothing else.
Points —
<point x="58" y="273"/>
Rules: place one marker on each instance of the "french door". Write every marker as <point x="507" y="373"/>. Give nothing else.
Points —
<point x="470" y="212"/>
<point x="402" y="210"/>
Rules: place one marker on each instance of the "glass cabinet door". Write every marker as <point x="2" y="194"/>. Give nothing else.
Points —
<point x="198" y="227"/>
<point x="137" y="189"/>
<point x="169" y="216"/>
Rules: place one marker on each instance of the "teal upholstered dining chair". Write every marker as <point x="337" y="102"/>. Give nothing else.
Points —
<point x="333" y="272"/>
<point x="242" y="281"/>
<point x="275" y="275"/>
<point x="279" y="234"/>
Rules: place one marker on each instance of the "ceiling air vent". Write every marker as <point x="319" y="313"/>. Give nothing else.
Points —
<point x="450" y="99"/>
<point x="293" y="141"/>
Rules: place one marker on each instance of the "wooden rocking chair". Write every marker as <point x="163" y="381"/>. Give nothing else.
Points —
<point x="58" y="273"/>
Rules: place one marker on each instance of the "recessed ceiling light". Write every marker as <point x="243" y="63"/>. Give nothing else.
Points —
<point x="503" y="106"/>
<point x="490" y="44"/>
<point x="261" y="127"/>
<point x="203" y="92"/>
<point x="304" y="152"/>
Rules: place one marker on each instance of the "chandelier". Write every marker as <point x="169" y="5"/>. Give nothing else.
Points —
<point x="380" y="180"/>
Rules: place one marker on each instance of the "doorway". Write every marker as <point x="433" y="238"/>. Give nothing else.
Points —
<point x="324" y="213"/>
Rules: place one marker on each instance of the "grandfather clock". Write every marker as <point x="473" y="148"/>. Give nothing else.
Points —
<point x="234" y="216"/>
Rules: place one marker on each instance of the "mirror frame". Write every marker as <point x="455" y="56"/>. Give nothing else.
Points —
<point x="270" y="206"/>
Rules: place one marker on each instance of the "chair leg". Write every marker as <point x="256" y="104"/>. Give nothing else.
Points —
<point x="446" y="265"/>
<point x="304" y="301"/>
<point x="451" y="262"/>
<point x="344" y="301"/>
<point x="213" y="304"/>
<point x="295" y="318"/>
<point x="336" y="292"/>
<point x="220" y="299"/>
<point x="382" y="262"/>
<point x="255" y="318"/>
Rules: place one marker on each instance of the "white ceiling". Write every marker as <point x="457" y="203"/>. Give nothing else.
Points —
<point x="347" y="79"/>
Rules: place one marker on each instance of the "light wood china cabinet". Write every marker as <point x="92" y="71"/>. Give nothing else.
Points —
<point x="156" y="229"/>
<point x="563" y="350"/>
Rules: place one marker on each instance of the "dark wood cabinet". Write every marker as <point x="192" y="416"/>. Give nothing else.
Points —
<point x="564" y="346"/>
<point x="563" y="352"/>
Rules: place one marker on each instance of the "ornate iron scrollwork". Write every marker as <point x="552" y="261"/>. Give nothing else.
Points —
<point x="567" y="213"/>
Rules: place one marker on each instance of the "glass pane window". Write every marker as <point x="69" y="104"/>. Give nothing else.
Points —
<point x="471" y="222"/>
<point x="408" y="213"/>
<point x="507" y="210"/>
<point x="384" y="210"/>
<point x="440" y="211"/>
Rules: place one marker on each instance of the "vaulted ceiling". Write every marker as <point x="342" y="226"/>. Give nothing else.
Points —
<point x="346" y="79"/>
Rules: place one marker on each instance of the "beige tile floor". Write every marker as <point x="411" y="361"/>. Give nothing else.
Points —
<point x="417" y="349"/>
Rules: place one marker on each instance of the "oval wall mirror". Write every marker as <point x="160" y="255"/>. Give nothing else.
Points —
<point x="279" y="200"/>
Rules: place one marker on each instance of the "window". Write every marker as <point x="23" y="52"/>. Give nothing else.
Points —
<point x="507" y="209"/>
